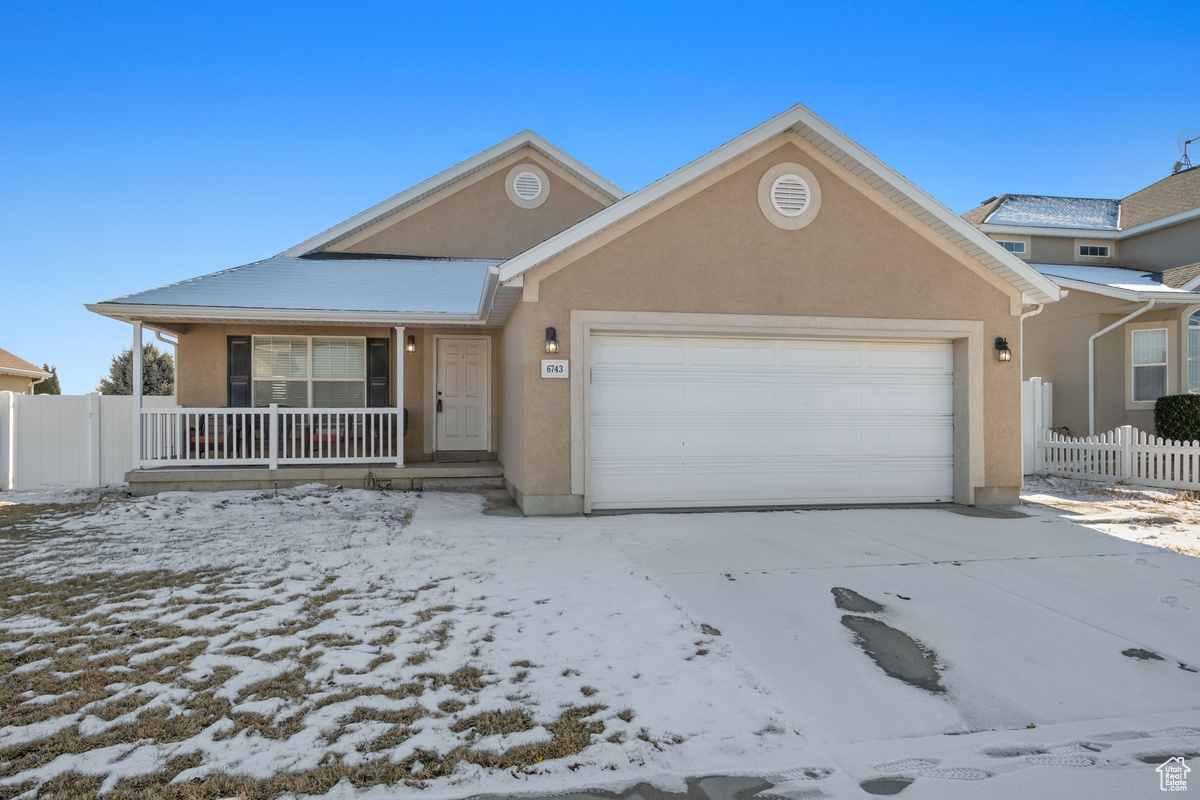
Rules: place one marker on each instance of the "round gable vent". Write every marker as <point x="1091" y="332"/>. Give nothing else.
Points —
<point x="789" y="196"/>
<point x="527" y="185"/>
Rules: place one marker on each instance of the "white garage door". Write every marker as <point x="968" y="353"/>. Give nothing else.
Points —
<point x="692" y="422"/>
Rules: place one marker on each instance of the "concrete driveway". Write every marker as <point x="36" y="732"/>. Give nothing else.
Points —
<point x="1064" y="660"/>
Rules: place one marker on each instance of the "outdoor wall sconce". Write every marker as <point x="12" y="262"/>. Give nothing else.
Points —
<point x="1002" y="351"/>
<point x="551" y="340"/>
<point x="411" y="345"/>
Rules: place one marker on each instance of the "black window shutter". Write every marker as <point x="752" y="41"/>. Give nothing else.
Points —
<point x="239" y="372"/>
<point x="378" y="372"/>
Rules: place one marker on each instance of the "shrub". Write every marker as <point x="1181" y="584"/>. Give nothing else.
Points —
<point x="1177" y="416"/>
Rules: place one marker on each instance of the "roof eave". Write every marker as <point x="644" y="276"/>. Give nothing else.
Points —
<point x="24" y="373"/>
<point x="1049" y="230"/>
<point x="130" y="312"/>
<point x="1133" y="295"/>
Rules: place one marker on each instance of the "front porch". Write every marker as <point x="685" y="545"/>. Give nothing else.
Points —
<point x="415" y="477"/>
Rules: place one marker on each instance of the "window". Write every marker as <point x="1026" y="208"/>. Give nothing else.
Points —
<point x="1013" y="247"/>
<point x="310" y="371"/>
<point x="1149" y="365"/>
<point x="1093" y="250"/>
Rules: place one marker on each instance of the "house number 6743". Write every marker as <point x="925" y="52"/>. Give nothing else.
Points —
<point x="555" y="368"/>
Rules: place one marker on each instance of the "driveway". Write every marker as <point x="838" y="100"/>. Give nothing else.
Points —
<point x="1066" y="658"/>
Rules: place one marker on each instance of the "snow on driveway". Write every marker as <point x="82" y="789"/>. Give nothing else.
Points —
<point x="1067" y="656"/>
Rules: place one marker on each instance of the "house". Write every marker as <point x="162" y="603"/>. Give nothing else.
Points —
<point x="783" y="321"/>
<point x="1128" y="331"/>
<point x="18" y="375"/>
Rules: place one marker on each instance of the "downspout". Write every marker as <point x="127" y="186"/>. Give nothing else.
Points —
<point x="35" y="383"/>
<point x="1021" y="331"/>
<point x="1092" y="362"/>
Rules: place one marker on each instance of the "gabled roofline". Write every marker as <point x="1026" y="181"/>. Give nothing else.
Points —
<point x="408" y="197"/>
<point x="1032" y="284"/>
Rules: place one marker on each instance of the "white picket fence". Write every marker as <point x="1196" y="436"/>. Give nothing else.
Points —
<point x="67" y="440"/>
<point x="1125" y="454"/>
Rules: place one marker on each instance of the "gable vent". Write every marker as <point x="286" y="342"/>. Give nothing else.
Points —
<point x="790" y="195"/>
<point x="527" y="186"/>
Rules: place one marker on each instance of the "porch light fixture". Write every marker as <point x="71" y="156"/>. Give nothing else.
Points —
<point x="551" y="340"/>
<point x="1002" y="351"/>
<point x="411" y="345"/>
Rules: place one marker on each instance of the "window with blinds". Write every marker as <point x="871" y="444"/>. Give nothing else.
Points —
<point x="310" y="371"/>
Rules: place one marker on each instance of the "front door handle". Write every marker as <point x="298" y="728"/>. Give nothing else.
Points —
<point x="439" y="406"/>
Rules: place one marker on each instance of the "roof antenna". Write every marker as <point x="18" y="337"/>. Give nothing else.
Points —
<point x="1186" y="137"/>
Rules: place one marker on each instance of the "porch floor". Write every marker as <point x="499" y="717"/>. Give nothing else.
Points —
<point x="421" y="475"/>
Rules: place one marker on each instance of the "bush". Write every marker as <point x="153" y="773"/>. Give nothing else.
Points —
<point x="1177" y="417"/>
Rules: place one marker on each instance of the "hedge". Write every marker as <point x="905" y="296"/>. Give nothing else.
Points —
<point x="1177" y="417"/>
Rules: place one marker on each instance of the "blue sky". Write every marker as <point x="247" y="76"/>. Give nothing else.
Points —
<point x="144" y="143"/>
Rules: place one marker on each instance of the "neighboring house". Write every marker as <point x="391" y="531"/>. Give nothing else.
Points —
<point x="783" y="321"/>
<point x="1132" y="263"/>
<point x="18" y="375"/>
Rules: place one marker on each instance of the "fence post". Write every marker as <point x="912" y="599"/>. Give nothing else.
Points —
<point x="93" y="434"/>
<point x="273" y="437"/>
<point x="8" y="441"/>
<point x="1126" y="434"/>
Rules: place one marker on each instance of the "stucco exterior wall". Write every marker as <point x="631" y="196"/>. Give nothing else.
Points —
<point x="1050" y="249"/>
<point x="1164" y="248"/>
<point x="479" y="221"/>
<point x="511" y="419"/>
<point x="1056" y="350"/>
<point x="15" y="383"/>
<point x="715" y="252"/>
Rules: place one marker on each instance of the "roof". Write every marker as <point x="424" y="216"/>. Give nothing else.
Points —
<point x="371" y="288"/>
<point x="1132" y="284"/>
<point x="13" y="365"/>
<point x="1056" y="212"/>
<point x="457" y="173"/>
<point x="859" y="164"/>
<point x="1172" y="195"/>
<point x="1179" y="277"/>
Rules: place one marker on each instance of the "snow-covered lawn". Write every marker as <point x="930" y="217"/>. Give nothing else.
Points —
<point x="241" y="642"/>
<point x="361" y="644"/>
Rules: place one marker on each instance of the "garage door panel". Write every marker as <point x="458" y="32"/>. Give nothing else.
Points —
<point x="728" y="422"/>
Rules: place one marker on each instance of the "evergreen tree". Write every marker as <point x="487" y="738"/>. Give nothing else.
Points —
<point x="158" y="373"/>
<point x="50" y="385"/>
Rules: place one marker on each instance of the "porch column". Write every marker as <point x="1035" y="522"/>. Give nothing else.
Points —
<point x="400" y="396"/>
<point x="136" y="388"/>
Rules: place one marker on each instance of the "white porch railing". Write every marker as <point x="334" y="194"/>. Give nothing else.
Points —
<point x="1125" y="454"/>
<point x="270" y="436"/>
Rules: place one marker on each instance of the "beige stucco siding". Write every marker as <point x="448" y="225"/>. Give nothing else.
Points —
<point x="512" y="343"/>
<point x="1051" y="250"/>
<point x="478" y="221"/>
<point x="15" y="383"/>
<point x="1056" y="349"/>
<point x="1164" y="248"/>
<point x="715" y="253"/>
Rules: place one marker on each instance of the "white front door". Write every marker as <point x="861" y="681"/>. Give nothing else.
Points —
<point x="461" y="402"/>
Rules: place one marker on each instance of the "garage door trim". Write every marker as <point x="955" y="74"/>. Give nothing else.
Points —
<point x="966" y="337"/>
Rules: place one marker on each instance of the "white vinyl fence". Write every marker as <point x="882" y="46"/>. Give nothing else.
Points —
<point x="67" y="440"/>
<point x="1125" y="454"/>
<point x="1037" y="414"/>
